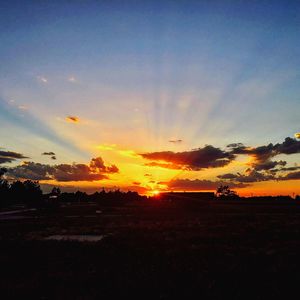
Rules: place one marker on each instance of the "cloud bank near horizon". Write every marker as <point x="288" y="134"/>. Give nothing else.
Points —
<point x="262" y="166"/>
<point x="94" y="171"/>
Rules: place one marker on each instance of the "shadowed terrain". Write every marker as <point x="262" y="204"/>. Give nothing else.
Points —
<point x="152" y="250"/>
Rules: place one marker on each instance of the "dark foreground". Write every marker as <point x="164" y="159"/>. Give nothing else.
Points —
<point x="153" y="251"/>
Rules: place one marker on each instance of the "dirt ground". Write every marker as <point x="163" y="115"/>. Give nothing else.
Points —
<point x="152" y="251"/>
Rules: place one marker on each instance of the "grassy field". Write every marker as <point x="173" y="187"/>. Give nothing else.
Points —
<point x="152" y="251"/>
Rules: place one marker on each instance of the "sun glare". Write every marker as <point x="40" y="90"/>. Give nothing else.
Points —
<point x="155" y="193"/>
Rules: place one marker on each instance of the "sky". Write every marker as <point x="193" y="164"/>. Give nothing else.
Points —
<point x="147" y="95"/>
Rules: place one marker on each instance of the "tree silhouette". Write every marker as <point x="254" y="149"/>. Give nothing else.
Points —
<point x="223" y="191"/>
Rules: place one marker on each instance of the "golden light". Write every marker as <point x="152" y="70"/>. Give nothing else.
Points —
<point x="155" y="193"/>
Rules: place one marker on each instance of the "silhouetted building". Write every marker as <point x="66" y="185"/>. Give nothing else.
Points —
<point x="188" y="196"/>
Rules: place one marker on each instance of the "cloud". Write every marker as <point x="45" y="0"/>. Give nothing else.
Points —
<point x="97" y="164"/>
<point x="77" y="172"/>
<point x="235" y="145"/>
<point x="52" y="154"/>
<point x="32" y="171"/>
<point x="175" y="141"/>
<point x="48" y="153"/>
<point x="227" y="176"/>
<point x="289" y="146"/>
<point x="96" y="170"/>
<point x="72" y="119"/>
<point x="42" y="79"/>
<point x="197" y="159"/>
<point x="212" y="157"/>
<point x="291" y="176"/>
<point x="171" y="166"/>
<point x="262" y="155"/>
<point x="22" y="107"/>
<point x="297" y="135"/>
<point x="197" y="184"/>
<point x="72" y="79"/>
<point x="136" y="183"/>
<point x="249" y="176"/>
<point x="10" y="156"/>
<point x="268" y="165"/>
<point x="28" y="121"/>
<point x="289" y="168"/>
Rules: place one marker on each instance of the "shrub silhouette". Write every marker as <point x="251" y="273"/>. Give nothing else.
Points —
<point x="223" y="191"/>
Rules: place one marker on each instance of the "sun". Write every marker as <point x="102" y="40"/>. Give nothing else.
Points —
<point x="155" y="192"/>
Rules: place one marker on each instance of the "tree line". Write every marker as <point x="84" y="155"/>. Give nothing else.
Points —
<point x="29" y="193"/>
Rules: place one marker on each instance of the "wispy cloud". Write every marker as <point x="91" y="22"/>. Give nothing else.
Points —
<point x="176" y="141"/>
<point x="10" y="156"/>
<point x="42" y="79"/>
<point x="72" y="79"/>
<point x="114" y="147"/>
<point x="22" y="107"/>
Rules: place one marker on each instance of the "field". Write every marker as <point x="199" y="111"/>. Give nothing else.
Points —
<point x="153" y="250"/>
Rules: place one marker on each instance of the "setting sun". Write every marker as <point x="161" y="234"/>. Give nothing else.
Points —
<point x="155" y="193"/>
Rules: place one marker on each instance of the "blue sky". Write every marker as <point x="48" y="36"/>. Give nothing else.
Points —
<point x="139" y="73"/>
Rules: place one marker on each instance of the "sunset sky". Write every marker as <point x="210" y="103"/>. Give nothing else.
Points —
<point x="151" y="95"/>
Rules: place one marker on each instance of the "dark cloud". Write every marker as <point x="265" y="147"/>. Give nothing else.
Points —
<point x="212" y="157"/>
<point x="33" y="171"/>
<point x="295" y="168"/>
<point x="291" y="176"/>
<point x="175" y="141"/>
<point x="249" y="176"/>
<point x="263" y="154"/>
<point x="227" y="176"/>
<point x="96" y="170"/>
<point x="197" y="184"/>
<point x="48" y="153"/>
<point x="289" y="146"/>
<point x="10" y="156"/>
<point x="235" y="145"/>
<point x="52" y="154"/>
<point x="77" y="172"/>
<point x="136" y="183"/>
<point x="267" y="165"/>
<point x="97" y="164"/>
<point x="197" y="159"/>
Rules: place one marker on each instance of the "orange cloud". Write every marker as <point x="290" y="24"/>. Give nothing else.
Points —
<point x="72" y="119"/>
<point x="197" y="159"/>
